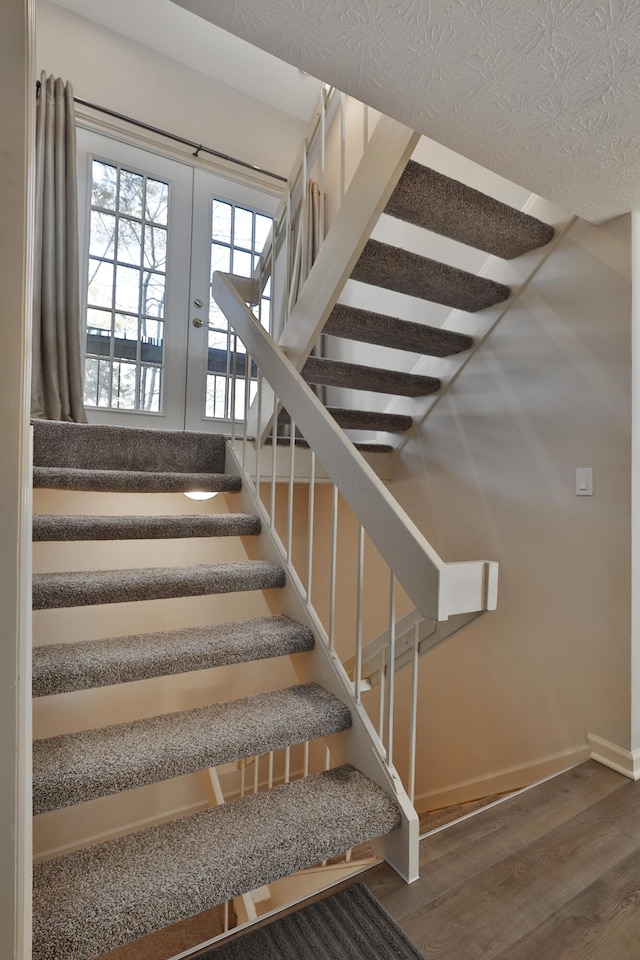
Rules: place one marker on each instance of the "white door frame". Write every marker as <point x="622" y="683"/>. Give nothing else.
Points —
<point x="180" y="179"/>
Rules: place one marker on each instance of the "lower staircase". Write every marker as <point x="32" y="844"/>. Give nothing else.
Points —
<point x="96" y="899"/>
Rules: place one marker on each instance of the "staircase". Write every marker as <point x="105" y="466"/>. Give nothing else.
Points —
<point x="96" y="899"/>
<point x="432" y="202"/>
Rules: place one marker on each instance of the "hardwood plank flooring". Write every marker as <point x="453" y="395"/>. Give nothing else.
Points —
<point x="552" y="874"/>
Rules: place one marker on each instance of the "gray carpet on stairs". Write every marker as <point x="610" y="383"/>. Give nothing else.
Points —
<point x="392" y="268"/>
<point x="76" y="767"/>
<point x="83" y="588"/>
<point x="96" y="899"/>
<point x="350" y="925"/>
<point x="64" y="667"/>
<point x="354" y="376"/>
<point x="131" y="481"/>
<point x="60" y="527"/>
<point x="452" y="209"/>
<point x="363" y="420"/>
<point x="97" y="447"/>
<point x="351" y="323"/>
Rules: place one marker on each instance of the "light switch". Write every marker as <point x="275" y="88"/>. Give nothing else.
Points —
<point x="584" y="482"/>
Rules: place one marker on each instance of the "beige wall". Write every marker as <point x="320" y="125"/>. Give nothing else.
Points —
<point x="106" y="817"/>
<point x="16" y="121"/>
<point x="114" y="72"/>
<point x="491" y="475"/>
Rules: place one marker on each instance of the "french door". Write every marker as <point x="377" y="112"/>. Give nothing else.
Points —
<point x="158" y="350"/>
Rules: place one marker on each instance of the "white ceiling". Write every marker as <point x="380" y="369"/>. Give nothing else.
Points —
<point x="544" y="92"/>
<point x="168" y="29"/>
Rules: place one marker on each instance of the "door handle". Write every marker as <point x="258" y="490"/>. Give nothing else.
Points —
<point x="197" y="322"/>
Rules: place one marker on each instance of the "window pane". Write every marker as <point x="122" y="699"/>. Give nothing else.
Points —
<point x="216" y="316"/>
<point x="100" y="292"/>
<point x="97" y="375"/>
<point x="98" y="343"/>
<point x="153" y="293"/>
<point x="102" y="235"/>
<point x="216" y="392"/>
<point x="263" y="228"/>
<point x="129" y="242"/>
<point x="99" y="320"/>
<point x="131" y="193"/>
<point x="157" y="206"/>
<point x="243" y="229"/>
<point x="151" y="340"/>
<point x="242" y="264"/>
<point x="220" y="258"/>
<point x="123" y="385"/>
<point x="221" y="221"/>
<point x="127" y="289"/>
<point x="150" y="387"/>
<point x="155" y="248"/>
<point x="104" y="185"/>
<point x="125" y="334"/>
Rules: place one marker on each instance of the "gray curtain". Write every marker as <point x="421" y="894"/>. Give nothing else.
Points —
<point x="56" y="387"/>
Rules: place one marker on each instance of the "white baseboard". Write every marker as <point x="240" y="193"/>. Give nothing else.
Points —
<point x="615" y="757"/>
<point x="501" y="781"/>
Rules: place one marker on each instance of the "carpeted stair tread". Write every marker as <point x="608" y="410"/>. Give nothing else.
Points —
<point x="400" y="270"/>
<point x="59" y="527"/>
<point x="97" y="899"/>
<point x="81" y="588"/>
<point x="352" y="323"/>
<point x="431" y="200"/>
<point x="64" y="667"/>
<point x="90" y="446"/>
<point x="76" y="767"/>
<point x="132" y="481"/>
<point x="363" y="420"/>
<point x="353" y="376"/>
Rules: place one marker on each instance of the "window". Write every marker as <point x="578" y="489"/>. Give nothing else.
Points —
<point x="238" y="236"/>
<point x="126" y="289"/>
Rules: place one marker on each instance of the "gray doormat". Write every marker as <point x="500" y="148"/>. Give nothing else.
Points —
<point x="350" y="925"/>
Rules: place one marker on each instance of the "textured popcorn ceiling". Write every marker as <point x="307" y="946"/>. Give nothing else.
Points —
<point x="544" y="92"/>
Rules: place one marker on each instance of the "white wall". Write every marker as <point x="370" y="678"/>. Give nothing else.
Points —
<point x="16" y="124"/>
<point x="109" y="70"/>
<point x="491" y="475"/>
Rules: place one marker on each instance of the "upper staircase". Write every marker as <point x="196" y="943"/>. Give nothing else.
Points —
<point x="433" y="202"/>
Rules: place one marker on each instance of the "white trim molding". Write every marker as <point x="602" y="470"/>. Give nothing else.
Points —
<point x="502" y="781"/>
<point x="617" y="758"/>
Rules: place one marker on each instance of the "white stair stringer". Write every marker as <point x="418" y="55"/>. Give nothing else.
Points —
<point x="360" y="745"/>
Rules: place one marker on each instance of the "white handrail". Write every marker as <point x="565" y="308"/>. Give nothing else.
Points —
<point x="436" y="588"/>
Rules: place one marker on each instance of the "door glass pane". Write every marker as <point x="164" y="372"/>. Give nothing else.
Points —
<point x="221" y="213"/>
<point x="126" y="289"/>
<point x="129" y="241"/>
<point x="238" y="235"/>
<point x="131" y="193"/>
<point x="104" y="185"/>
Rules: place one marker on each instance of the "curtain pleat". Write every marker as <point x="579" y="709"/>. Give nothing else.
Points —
<point x="56" y="391"/>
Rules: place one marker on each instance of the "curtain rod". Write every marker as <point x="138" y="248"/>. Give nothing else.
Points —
<point x="199" y="148"/>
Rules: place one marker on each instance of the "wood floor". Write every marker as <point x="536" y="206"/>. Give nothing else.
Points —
<point x="551" y="874"/>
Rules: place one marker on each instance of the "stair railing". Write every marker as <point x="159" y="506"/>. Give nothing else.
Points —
<point x="438" y="590"/>
<point x="335" y="143"/>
